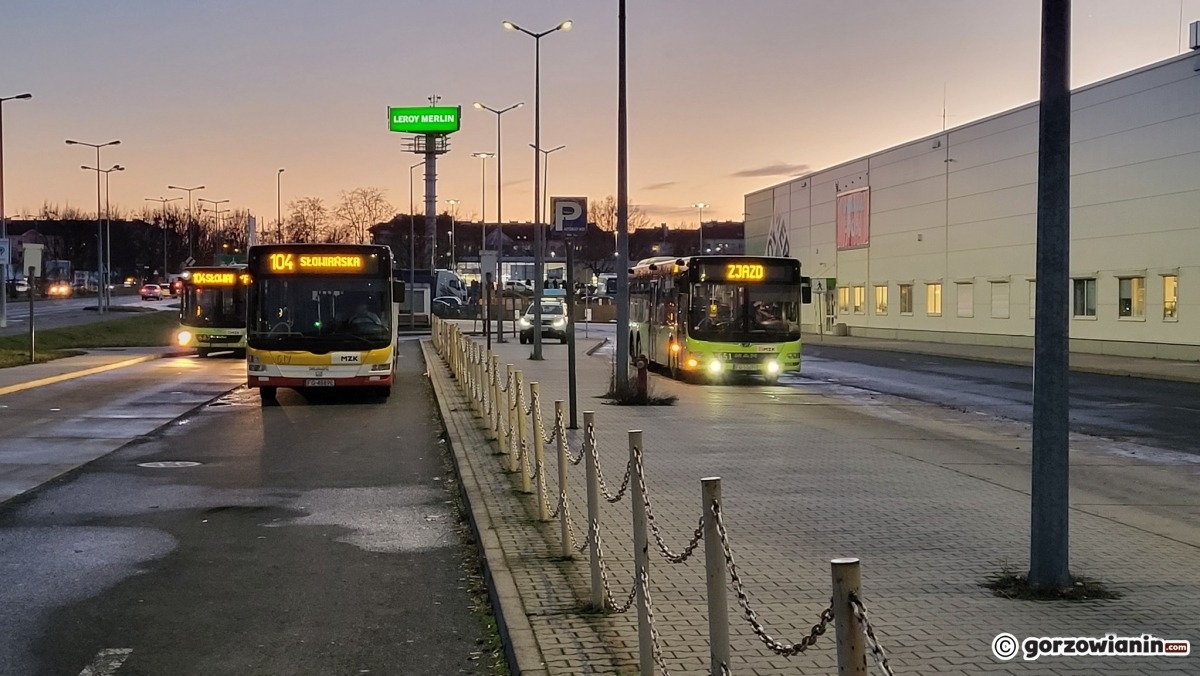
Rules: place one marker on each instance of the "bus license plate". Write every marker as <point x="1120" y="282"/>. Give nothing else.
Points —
<point x="318" y="382"/>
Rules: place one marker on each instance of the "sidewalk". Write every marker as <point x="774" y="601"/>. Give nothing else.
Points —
<point x="933" y="501"/>
<point x="17" y="378"/>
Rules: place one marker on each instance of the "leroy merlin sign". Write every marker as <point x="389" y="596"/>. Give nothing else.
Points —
<point x="425" y="119"/>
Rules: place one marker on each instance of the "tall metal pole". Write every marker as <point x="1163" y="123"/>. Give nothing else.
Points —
<point x="3" y="217"/>
<point x="163" y="217"/>
<point x="279" y="205"/>
<point x="1049" y="550"/>
<point x="622" y="364"/>
<point x="412" y="250"/>
<point x="101" y="283"/>
<point x="191" y="216"/>
<point x="431" y="199"/>
<point x="539" y="245"/>
<point x="107" y="242"/>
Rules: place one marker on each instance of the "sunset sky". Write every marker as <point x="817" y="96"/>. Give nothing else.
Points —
<point x="725" y="96"/>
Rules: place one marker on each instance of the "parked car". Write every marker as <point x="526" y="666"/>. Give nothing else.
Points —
<point x="151" y="292"/>
<point x="447" y="307"/>
<point x="58" y="289"/>
<point x="554" y="321"/>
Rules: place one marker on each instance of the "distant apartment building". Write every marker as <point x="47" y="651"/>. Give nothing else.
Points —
<point x="935" y="240"/>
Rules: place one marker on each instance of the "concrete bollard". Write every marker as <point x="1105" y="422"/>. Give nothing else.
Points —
<point x="564" y="527"/>
<point x="518" y="436"/>
<point x="593" y="505"/>
<point x="508" y="412"/>
<point x="641" y="555"/>
<point x="851" y="645"/>
<point x="714" y="574"/>
<point x="494" y="417"/>
<point x="539" y="450"/>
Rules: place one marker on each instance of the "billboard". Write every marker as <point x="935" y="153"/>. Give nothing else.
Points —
<point x="854" y="219"/>
<point x="425" y="119"/>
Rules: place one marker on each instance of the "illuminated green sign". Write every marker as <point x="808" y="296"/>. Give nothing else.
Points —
<point x="425" y="120"/>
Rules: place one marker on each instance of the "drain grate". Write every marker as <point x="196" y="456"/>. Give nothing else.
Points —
<point x="169" y="464"/>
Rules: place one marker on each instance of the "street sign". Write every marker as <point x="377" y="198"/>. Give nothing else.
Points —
<point x="570" y="215"/>
<point x="425" y="119"/>
<point x="4" y="255"/>
<point x="823" y="284"/>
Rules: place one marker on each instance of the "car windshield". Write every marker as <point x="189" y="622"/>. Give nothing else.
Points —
<point x="547" y="309"/>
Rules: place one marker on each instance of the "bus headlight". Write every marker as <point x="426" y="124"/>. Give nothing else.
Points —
<point x="772" y="367"/>
<point x="183" y="338"/>
<point x="714" y="366"/>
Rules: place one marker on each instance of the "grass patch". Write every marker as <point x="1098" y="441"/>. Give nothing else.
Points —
<point x="1010" y="585"/>
<point x="145" y="329"/>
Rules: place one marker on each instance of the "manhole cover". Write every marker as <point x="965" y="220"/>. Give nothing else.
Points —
<point x="169" y="464"/>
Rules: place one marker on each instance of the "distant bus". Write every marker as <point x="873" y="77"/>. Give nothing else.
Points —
<point x="320" y="316"/>
<point x="709" y="316"/>
<point x="212" y="309"/>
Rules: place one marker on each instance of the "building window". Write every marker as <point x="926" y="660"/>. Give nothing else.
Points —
<point x="933" y="300"/>
<point x="1085" y="297"/>
<point x="1170" y="297"/>
<point x="906" y="299"/>
<point x="860" y="300"/>
<point x="965" y="292"/>
<point x="881" y="300"/>
<point x="1032" y="299"/>
<point x="999" y="300"/>
<point x="843" y="300"/>
<point x="1131" y="297"/>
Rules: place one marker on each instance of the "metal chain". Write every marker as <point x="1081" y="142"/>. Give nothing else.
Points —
<point x="542" y="490"/>
<point x="589" y="438"/>
<point x="558" y="427"/>
<point x="662" y="545"/>
<point x="562" y="500"/>
<point x="644" y="580"/>
<point x="860" y="612"/>
<point x="787" y="650"/>
<point x="613" y="499"/>
<point x="594" y="536"/>
<point x="529" y="466"/>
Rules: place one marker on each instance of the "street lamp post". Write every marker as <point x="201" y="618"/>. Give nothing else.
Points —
<point x="546" y="175"/>
<point x="412" y="249"/>
<point x="453" y="217"/>
<point x="700" y="227"/>
<point x="162" y="201"/>
<point x="100" y="307"/>
<point x="191" y="217"/>
<point x="483" y="158"/>
<point x="539" y="237"/>
<point x="216" y="210"/>
<point x="108" y="237"/>
<point x="278" y="206"/>
<point x="499" y="213"/>
<point x="3" y="219"/>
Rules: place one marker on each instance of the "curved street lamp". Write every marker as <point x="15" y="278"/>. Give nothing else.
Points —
<point x="3" y="218"/>
<point x="700" y="225"/>
<point x="100" y="306"/>
<point x="499" y="209"/>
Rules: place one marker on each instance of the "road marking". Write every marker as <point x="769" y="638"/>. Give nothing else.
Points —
<point x="107" y="662"/>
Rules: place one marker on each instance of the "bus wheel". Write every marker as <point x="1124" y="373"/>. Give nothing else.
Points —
<point x="202" y="352"/>
<point x="267" y="393"/>
<point x="383" y="392"/>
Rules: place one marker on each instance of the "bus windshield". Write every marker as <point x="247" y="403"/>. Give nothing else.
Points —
<point x="213" y="307"/>
<point x="326" y="313"/>
<point x="765" y="313"/>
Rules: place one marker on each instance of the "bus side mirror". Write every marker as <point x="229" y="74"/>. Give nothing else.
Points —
<point x="806" y="290"/>
<point x="397" y="290"/>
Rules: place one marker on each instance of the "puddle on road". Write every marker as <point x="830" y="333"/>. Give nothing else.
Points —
<point x="384" y="520"/>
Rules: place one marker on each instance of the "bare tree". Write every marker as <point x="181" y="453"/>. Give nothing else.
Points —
<point x="358" y="210"/>
<point x="604" y="214"/>
<point x="308" y="220"/>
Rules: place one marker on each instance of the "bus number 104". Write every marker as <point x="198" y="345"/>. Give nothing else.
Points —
<point x="744" y="272"/>
<point x="283" y="262"/>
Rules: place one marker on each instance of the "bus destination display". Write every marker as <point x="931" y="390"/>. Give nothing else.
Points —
<point x="745" y="271"/>
<point x="305" y="263"/>
<point x="205" y="278"/>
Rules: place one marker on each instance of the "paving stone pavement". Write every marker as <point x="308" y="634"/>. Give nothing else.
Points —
<point x="932" y="501"/>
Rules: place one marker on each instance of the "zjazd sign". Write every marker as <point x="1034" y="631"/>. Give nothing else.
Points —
<point x="425" y="120"/>
<point x="570" y="215"/>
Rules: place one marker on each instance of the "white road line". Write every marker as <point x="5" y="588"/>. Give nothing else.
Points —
<point x="107" y="662"/>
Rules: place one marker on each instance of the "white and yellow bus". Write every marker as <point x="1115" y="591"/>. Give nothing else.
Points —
<point x="320" y="316"/>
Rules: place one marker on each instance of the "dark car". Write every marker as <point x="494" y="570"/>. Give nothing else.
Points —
<point x="554" y="321"/>
<point x="447" y="307"/>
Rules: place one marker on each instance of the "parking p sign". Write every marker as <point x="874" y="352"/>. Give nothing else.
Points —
<point x="570" y="215"/>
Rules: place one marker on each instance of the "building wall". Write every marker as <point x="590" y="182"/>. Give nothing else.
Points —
<point x="959" y="208"/>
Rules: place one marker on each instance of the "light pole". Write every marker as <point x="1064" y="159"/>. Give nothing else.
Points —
<point x="3" y="218"/>
<point x="412" y="249"/>
<point x="453" y="217"/>
<point x="539" y="237"/>
<point x="108" y="237"/>
<point x="278" y="206"/>
<point x="163" y="201"/>
<point x="216" y="209"/>
<point x="483" y="158"/>
<point x="499" y="212"/>
<point x="191" y="217"/>
<point x="700" y="227"/>
<point x="546" y="174"/>
<point x="99" y="220"/>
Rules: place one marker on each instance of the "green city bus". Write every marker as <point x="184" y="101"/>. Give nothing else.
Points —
<point x="212" y="309"/>
<point x="709" y="317"/>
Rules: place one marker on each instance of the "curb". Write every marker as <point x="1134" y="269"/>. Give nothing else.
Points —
<point x="521" y="649"/>
<point x="80" y="374"/>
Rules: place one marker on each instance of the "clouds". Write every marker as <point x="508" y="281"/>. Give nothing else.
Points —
<point x="659" y="186"/>
<point x="776" y="169"/>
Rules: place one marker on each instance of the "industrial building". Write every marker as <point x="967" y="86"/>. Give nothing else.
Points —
<point x="934" y="239"/>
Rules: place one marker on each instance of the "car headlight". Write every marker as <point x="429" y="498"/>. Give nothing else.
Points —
<point x="559" y="323"/>
<point x="523" y="323"/>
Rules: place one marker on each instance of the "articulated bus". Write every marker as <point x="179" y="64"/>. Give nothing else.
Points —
<point x="320" y="316"/>
<point x="711" y="316"/>
<point x="212" y="309"/>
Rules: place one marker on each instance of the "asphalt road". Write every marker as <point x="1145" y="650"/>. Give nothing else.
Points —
<point x="313" y="537"/>
<point x="50" y="313"/>
<point x="1155" y="413"/>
